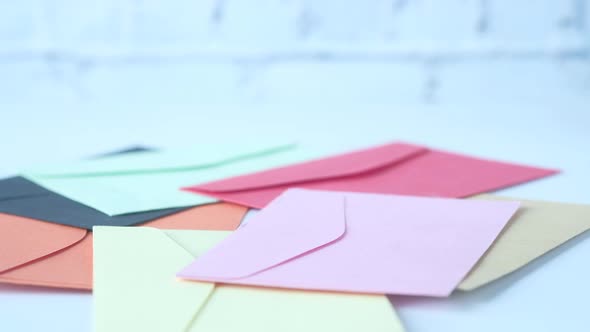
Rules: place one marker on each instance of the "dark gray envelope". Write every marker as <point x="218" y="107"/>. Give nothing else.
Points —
<point x="21" y="197"/>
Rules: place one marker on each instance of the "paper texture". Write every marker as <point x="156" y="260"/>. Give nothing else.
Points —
<point x="25" y="240"/>
<point x="396" y="168"/>
<point x="135" y="290"/>
<point x="45" y="254"/>
<point x="21" y="197"/>
<point x="537" y="228"/>
<point x="151" y="180"/>
<point x="363" y="243"/>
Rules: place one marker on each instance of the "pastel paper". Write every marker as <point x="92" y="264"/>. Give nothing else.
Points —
<point x="536" y="228"/>
<point x="45" y="254"/>
<point x="397" y="168"/>
<point x="149" y="181"/>
<point x="363" y="243"/>
<point x="21" y="197"/>
<point x="135" y="290"/>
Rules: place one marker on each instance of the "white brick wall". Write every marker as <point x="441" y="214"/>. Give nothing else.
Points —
<point x="295" y="51"/>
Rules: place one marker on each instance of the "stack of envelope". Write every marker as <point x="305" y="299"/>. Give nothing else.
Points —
<point x="160" y="237"/>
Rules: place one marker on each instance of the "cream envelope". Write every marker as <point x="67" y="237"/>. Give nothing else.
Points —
<point x="536" y="228"/>
<point x="135" y="290"/>
<point x="359" y="243"/>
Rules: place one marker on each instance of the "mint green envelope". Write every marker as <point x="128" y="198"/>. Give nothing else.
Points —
<point x="151" y="180"/>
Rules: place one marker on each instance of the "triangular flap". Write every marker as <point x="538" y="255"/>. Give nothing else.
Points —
<point x="348" y="164"/>
<point x="216" y="216"/>
<point x="70" y="268"/>
<point x="140" y="262"/>
<point x="537" y="228"/>
<point x="196" y="242"/>
<point x="294" y="224"/>
<point x="24" y="240"/>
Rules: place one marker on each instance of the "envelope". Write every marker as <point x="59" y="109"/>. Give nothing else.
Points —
<point x="135" y="290"/>
<point x="537" y="228"/>
<point x="397" y="168"/>
<point x="363" y="243"/>
<point x="149" y="181"/>
<point x="34" y="252"/>
<point x="21" y="197"/>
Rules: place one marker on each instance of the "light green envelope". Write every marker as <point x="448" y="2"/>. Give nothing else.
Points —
<point x="151" y="180"/>
<point x="135" y="289"/>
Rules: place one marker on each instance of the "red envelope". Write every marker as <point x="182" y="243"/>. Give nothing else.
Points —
<point x="397" y="168"/>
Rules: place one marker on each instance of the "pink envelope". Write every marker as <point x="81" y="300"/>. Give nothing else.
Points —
<point x="362" y="243"/>
<point x="397" y="168"/>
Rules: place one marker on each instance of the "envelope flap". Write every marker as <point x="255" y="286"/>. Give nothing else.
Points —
<point x="308" y="219"/>
<point x="139" y="263"/>
<point x="348" y="164"/>
<point x="203" y="157"/>
<point x="217" y="217"/>
<point x="537" y="228"/>
<point x="196" y="242"/>
<point x="24" y="240"/>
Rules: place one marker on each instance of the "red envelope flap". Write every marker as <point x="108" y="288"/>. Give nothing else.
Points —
<point x="293" y="225"/>
<point x="23" y="240"/>
<point x="349" y="164"/>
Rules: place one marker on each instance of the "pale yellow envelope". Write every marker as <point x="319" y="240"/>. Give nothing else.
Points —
<point x="135" y="289"/>
<point x="536" y="228"/>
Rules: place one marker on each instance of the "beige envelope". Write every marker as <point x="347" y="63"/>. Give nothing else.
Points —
<point x="536" y="228"/>
<point x="135" y="289"/>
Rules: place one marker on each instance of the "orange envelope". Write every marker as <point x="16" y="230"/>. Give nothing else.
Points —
<point x="34" y="252"/>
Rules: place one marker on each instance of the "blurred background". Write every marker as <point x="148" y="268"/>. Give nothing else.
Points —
<point x="504" y="79"/>
<point x="78" y="77"/>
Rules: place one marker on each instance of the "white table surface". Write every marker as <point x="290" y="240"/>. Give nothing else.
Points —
<point x="548" y="295"/>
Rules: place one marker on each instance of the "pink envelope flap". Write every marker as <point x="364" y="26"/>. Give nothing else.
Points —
<point x="291" y="236"/>
<point x="353" y="242"/>
<point x="340" y="166"/>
